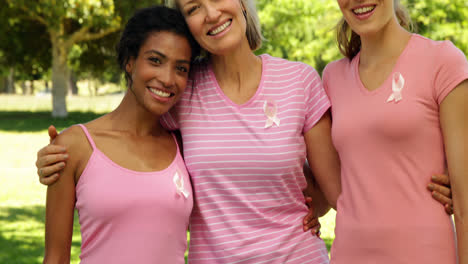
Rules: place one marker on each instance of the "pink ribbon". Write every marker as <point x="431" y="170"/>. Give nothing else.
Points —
<point x="398" y="82"/>
<point x="179" y="183"/>
<point x="271" y="110"/>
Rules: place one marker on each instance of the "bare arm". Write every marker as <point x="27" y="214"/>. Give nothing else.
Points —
<point x="323" y="159"/>
<point x="60" y="207"/>
<point x="315" y="198"/>
<point x="453" y="119"/>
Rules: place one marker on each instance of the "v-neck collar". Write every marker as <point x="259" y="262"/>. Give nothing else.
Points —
<point x="388" y="79"/>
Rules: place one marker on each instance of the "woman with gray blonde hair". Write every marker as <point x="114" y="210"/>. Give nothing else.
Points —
<point x="253" y="31"/>
<point x="244" y="125"/>
<point x="399" y="114"/>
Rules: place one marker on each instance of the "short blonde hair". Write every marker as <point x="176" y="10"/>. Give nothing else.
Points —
<point x="254" y="30"/>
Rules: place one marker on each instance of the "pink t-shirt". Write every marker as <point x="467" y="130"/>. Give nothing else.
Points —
<point x="388" y="152"/>
<point x="128" y="216"/>
<point x="246" y="165"/>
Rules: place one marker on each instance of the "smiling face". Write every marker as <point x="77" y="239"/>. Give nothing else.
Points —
<point x="159" y="73"/>
<point x="368" y="17"/>
<point x="218" y="26"/>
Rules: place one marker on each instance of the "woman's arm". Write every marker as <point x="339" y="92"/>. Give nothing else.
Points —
<point x="323" y="159"/>
<point x="60" y="205"/>
<point x="314" y="196"/>
<point x="454" y="123"/>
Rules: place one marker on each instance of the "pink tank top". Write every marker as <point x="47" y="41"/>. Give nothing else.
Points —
<point x="132" y="217"/>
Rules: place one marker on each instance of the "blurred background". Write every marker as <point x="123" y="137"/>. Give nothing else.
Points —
<point x="57" y="66"/>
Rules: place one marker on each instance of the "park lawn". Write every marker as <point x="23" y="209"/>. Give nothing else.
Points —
<point x="23" y="131"/>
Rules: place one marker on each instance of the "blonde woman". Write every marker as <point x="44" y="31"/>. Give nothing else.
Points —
<point x="399" y="114"/>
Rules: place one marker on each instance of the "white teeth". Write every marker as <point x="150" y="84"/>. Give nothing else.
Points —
<point x="220" y="28"/>
<point x="160" y="93"/>
<point x="362" y="10"/>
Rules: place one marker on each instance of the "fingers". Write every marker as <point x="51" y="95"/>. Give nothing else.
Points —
<point x="441" y="179"/>
<point x="310" y="221"/>
<point x="316" y="230"/>
<point x="313" y="225"/>
<point x="43" y="153"/>
<point x="445" y="200"/>
<point x="51" y="149"/>
<point x="52" y="133"/>
<point x="45" y="172"/>
<point x="443" y="190"/>
<point x="448" y="209"/>
<point x="442" y="199"/>
<point x="50" y="159"/>
<point x="49" y="180"/>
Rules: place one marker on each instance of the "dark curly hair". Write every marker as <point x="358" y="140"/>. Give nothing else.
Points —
<point x="146" y="21"/>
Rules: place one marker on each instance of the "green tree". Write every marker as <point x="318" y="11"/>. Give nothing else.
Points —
<point x="68" y="22"/>
<point x="300" y="30"/>
<point x="304" y="30"/>
<point x="441" y="20"/>
<point x="24" y="52"/>
<point x="96" y="58"/>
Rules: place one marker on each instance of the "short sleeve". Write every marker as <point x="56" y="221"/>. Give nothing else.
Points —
<point x="168" y="120"/>
<point x="316" y="100"/>
<point x="325" y="79"/>
<point x="452" y="69"/>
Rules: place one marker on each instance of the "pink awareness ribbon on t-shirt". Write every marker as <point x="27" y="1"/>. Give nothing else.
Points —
<point x="179" y="183"/>
<point x="398" y="82"/>
<point x="271" y="110"/>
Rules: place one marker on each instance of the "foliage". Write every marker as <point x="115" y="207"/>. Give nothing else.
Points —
<point x="441" y="20"/>
<point x="96" y="58"/>
<point x="87" y="30"/>
<point x="304" y="30"/>
<point x="27" y="47"/>
<point x="300" y="30"/>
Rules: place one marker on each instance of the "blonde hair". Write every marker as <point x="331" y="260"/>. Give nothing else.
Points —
<point x="349" y="42"/>
<point x="254" y="30"/>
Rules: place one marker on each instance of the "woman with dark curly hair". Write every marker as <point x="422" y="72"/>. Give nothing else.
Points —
<point x="125" y="174"/>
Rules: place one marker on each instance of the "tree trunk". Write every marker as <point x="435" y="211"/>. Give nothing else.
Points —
<point x="3" y="82"/>
<point x="47" y="89"/>
<point x="96" y="87"/>
<point x="11" y="81"/>
<point x="33" y="88"/>
<point x="72" y="83"/>
<point x="27" y="87"/>
<point x="23" y="87"/>
<point x="59" y="79"/>
<point x="90" y="88"/>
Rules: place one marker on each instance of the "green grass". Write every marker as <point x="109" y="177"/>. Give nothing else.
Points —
<point x="23" y="131"/>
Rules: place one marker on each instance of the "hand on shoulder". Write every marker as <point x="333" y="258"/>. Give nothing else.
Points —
<point x="78" y="148"/>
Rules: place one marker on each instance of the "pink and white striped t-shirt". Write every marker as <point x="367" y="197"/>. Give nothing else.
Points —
<point x="246" y="164"/>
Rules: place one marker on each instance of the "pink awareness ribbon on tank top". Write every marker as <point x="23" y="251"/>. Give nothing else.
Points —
<point x="179" y="183"/>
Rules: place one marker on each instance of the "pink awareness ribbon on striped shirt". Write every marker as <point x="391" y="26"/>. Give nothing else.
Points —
<point x="271" y="110"/>
<point x="179" y="183"/>
<point x="398" y="82"/>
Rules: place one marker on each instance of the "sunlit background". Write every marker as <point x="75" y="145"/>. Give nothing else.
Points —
<point x="85" y="32"/>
